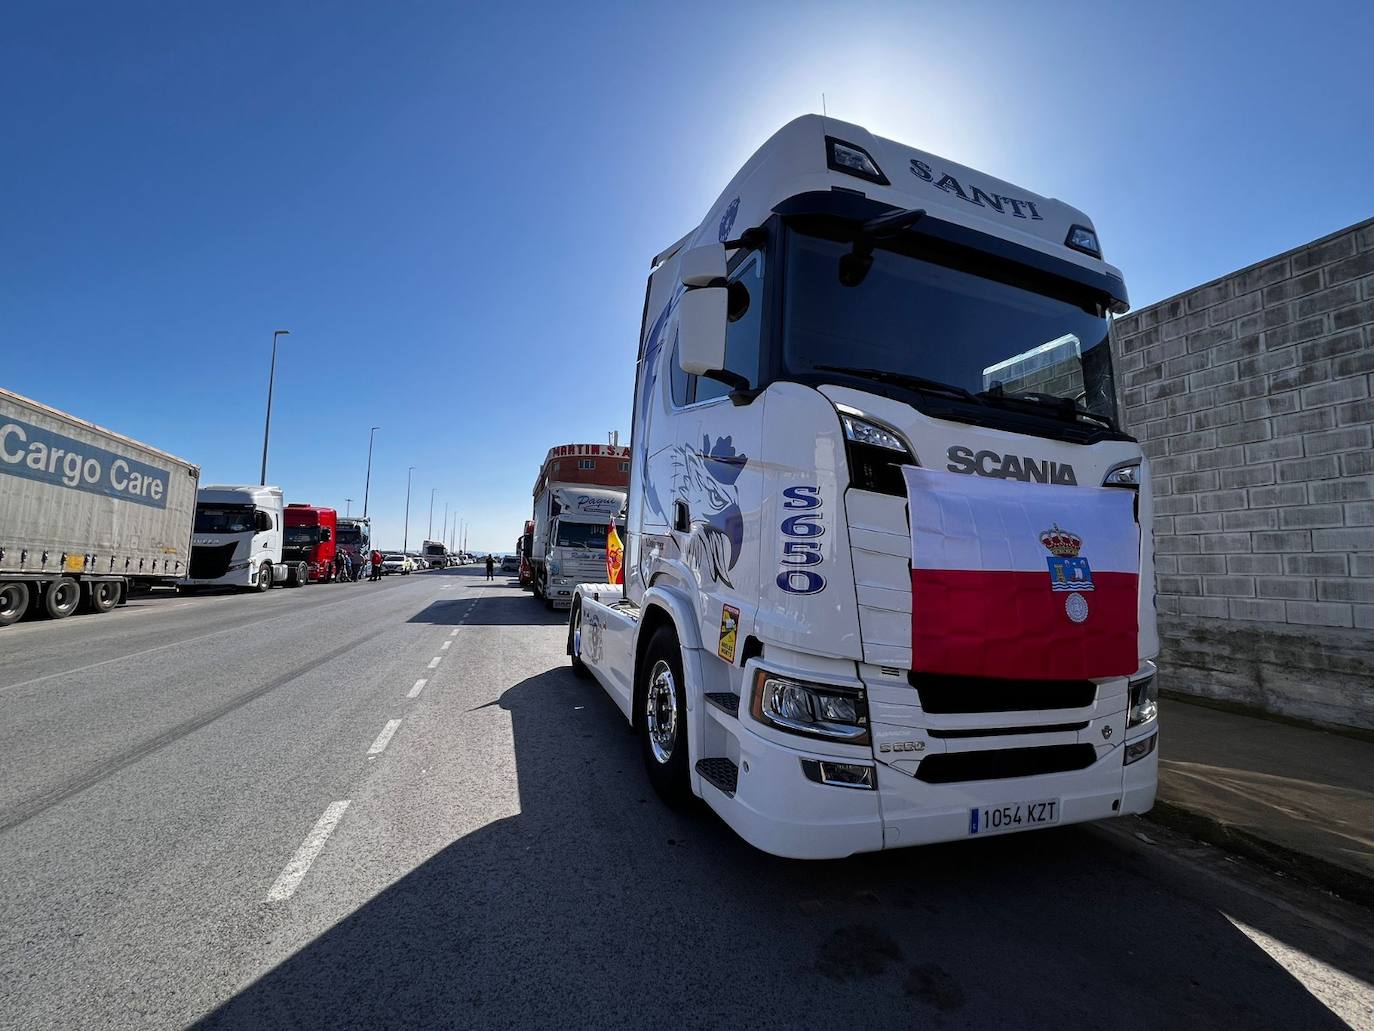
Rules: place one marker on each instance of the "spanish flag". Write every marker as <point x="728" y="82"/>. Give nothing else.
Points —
<point x="615" y="556"/>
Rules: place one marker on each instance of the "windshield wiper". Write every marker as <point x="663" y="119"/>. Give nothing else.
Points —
<point x="902" y="379"/>
<point x="1064" y="407"/>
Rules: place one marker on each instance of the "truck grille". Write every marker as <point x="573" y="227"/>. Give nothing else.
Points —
<point x="211" y="562"/>
<point x="941" y="695"/>
<point x="1001" y="764"/>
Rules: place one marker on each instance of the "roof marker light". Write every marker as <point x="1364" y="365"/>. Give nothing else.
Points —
<point x="1081" y="238"/>
<point x="853" y="160"/>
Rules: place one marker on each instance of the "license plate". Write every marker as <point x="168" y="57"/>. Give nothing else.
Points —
<point x="1013" y="816"/>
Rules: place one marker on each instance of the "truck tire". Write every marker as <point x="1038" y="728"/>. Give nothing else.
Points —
<point x="297" y="576"/>
<point x="102" y="595"/>
<point x="14" y="601"/>
<point x="579" y="668"/>
<point x="62" y="597"/>
<point x="662" y="719"/>
<point x="265" y="578"/>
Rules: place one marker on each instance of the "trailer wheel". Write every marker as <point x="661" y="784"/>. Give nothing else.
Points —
<point x="663" y="719"/>
<point x="14" y="601"/>
<point x="62" y="597"/>
<point x="579" y="668"/>
<point x="265" y="577"/>
<point x="102" y="595"/>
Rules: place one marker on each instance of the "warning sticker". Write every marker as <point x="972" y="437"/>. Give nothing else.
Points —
<point x="729" y="628"/>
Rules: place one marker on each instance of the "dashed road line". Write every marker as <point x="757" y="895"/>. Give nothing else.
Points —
<point x="384" y="738"/>
<point x="453" y="632"/>
<point x="434" y="662"/>
<point x="294" y="872"/>
<point x="414" y="692"/>
<point x="444" y="647"/>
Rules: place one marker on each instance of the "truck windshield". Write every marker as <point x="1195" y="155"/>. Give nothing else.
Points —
<point x="585" y="535"/>
<point x="301" y="536"/>
<point x="350" y="537"/>
<point x="225" y="518"/>
<point x="928" y="325"/>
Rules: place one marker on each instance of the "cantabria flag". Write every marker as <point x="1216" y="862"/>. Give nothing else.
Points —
<point x="1017" y="580"/>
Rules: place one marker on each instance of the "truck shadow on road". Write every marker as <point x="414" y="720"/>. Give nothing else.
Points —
<point x="597" y="906"/>
<point x="496" y="610"/>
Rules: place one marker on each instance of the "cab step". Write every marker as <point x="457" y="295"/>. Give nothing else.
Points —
<point x="725" y="701"/>
<point x="722" y="774"/>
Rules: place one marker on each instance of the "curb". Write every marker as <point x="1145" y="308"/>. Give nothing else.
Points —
<point x="1339" y="880"/>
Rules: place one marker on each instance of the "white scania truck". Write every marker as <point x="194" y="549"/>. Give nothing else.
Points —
<point x="237" y="540"/>
<point x="889" y="568"/>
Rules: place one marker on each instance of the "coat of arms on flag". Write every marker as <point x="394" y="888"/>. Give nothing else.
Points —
<point x="1069" y="571"/>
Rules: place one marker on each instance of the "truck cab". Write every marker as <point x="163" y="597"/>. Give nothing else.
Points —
<point x="236" y="540"/>
<point x="354" y="536"/>
<point x="889" y="566"/>
<point x="575" y="547"/>
<point x="310" y="539"/>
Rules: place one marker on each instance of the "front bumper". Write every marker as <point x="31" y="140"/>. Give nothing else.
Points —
<point x="777" y="809"/>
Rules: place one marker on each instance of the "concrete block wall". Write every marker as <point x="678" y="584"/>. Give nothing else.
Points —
<point x="1253" y="397"/>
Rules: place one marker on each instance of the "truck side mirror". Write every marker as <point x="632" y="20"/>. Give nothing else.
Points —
<point x="702" y="310"/>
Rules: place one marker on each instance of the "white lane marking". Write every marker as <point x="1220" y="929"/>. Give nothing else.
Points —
<point x="453" y="632"/>
<point x="290" y="877"/>
<point x="434" y="661"/>
<point x="444" y="647"/>
<point x="414" y="692"/>
<point x="384" y="738"/>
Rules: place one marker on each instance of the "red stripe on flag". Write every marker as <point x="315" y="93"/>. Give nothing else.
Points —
<point x="1011" y="625"/>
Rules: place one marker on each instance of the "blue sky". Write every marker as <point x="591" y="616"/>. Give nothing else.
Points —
<point x="452" y="206"/>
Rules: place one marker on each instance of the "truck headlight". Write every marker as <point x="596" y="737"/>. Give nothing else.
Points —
<point x="561" y="580"/>
<point x="812" y="710"/>
<point x="1144" y="701"/>
<point x="875" y="453"/>
<point x="1138" y="750"/>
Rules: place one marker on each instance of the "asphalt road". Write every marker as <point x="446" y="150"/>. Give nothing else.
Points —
<point x="247" y="811"/>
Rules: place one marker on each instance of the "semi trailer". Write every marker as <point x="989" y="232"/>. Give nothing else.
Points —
<point x="86" y="514"/>
<point x="889" y="568"/>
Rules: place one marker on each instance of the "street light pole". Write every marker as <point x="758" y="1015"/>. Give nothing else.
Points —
<point x="368" y="482"/>
<point x="433" y="491"/>
<point x="405" y="539"/>
<point x="271" y="377"/>
<point x="348" y="507"/>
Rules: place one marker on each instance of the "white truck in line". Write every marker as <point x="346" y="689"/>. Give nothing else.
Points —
<point x="86" y="514"/>
<point x="575" y="542"/>
<point x="889" y="565"/>
<point x="580" y="489"/>
<point x="237" y="540"/>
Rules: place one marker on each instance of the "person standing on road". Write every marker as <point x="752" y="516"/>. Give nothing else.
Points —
<point x="338" y="565"/>
<point x="376" y="565"/>
<point x="491" y="568"/>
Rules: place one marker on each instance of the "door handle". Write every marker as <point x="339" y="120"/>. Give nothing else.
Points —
<point x="682" y="517"/>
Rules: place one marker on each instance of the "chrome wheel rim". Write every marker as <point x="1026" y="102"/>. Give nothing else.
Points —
<point x="106" y="593"/>
<point x="660" y="711"/>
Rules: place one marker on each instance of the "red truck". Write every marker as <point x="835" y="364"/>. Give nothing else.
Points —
<point x="522" y="549"/>
<point x="310" y="537"/>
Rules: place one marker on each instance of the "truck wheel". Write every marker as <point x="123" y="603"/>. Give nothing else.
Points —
<point x="265" y="577"/>
<point x="297" y="576"/>
<point x="663" y="719"/>
<point x="579" y="668"/>
<point x="14" y="602"/>
<point x="102" y="595"/>
<point x="62" y="597"/>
